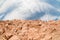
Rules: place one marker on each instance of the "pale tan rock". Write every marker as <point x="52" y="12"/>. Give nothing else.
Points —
<point x="14" y="38"/>
<point x="29" y="30"/>
<point x="2" y="38"/>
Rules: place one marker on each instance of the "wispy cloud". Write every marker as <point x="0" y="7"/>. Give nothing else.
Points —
<point x="28" y="9"/>
<point x="48" y="17"/>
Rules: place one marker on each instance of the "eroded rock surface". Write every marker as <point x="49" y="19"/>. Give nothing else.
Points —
<point x="29" y="30"/>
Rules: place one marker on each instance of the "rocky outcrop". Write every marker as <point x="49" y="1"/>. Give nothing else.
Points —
<point x="29" y="30"/>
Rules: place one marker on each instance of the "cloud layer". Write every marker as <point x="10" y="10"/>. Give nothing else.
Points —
<point x="29" y="10"/>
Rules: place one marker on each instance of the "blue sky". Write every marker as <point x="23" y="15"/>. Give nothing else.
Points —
<point x="30" y="9"/>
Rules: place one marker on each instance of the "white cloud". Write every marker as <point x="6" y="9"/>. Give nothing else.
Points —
<point x="48" y="17"/>
<point x="7" y="4"/>
<point x="25" y="8"/>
